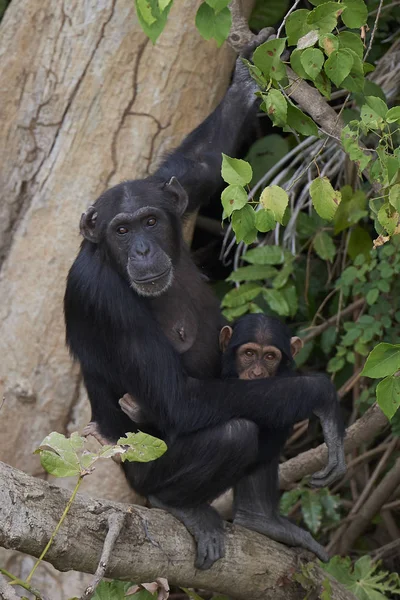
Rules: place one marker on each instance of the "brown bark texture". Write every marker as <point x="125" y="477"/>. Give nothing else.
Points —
<point x="86" y="101"/>
<point x="152" y="544"/>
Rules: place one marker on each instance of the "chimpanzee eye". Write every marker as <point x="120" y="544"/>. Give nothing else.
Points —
<point x="151" y="221"/>
<point x="249" y="352"/>
<point x="270" y="356"/>
<point x="122" y="230"/>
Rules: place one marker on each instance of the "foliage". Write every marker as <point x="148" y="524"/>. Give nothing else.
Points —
<point x="365" y="579"/>
<point x="67" y="457"/>
<point x="318" y="507"/>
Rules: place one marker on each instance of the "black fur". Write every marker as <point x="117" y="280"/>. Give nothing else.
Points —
<point x="161" y="347"/>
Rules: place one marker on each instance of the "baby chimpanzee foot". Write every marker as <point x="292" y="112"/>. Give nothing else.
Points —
<point x="207" y="528"/>
<point x="281" y="530"/>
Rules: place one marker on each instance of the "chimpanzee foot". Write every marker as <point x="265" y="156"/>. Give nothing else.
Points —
<point x="207" y="528"/>
<point x="335" y="469"/>
<point x="281" y="530"/>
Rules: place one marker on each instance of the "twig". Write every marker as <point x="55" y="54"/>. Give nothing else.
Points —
<point x="386" y="549"/>
<point x="21" y="583"/>
<point x="115" y="524"/>
<point x="318" y="329"/>
<point x="6" y="591"/>
<point x="278" y="33"/>
<point x="241" y="34"/>
<point x="378" y="14"/>
<point x="370" y="508"/>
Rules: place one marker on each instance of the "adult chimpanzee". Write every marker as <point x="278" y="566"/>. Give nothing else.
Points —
<point x="141" y="320"/>
<point x="256" y="347"/>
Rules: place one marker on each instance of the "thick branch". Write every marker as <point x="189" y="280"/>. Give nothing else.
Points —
<point x="371" y="507"/>
<point x="363" y="430"/>
<point x="152" y="544"/>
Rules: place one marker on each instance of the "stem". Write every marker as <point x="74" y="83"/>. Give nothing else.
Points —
<point x="53" y="535"/>
<point x="21" y="583"/>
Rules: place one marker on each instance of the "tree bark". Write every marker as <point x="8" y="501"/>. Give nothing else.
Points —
<point x="153" y="544"/>
<point x="86" y="101"/>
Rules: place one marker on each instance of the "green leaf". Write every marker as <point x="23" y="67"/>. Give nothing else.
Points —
<point x="330" y="504"/>
<point x="351" y="41"/>
<point x="325" y="199"/>
<point x="267" y="58"/>
<point x="372" y="296"/>
<point x="265" y="255"/>
<point x="217" y="5"/>
<point x="324" y="246"/>
<point x="323" y="85"/>
<point x="153" y="30"/>
<point x="359" y="243"/>
<point x="384" y="360"/>
<point x="388" y="395"/>
<point x="394" y="196"/>
<point x="296" y="64"/>
<point x="312" y="60"/>
<point x="163" y="4"/>
<point x="296" y="26"/>
<point x="276" y="107"/>
<point x="58" y="454"/>
<point x="145" y="7"/>
<point x="265" y="153"/>
<point x="300" y="122"/>
<point x="282" y="277"/>
<point x="324" y="17"/>
<point x="288" y="500"/>
<point x="244" y="224"/>
<point x="267" y="14"/>
<point x="388" y="218"/>
<point x="233" y="198"/>
<point x="350" y="144"/>
<point x="275" y="200"/>
<point x="241" y="295"/>
<point x="236" y="171"/>
<point x="312" y="510"/>
<point x="253" y="273"/>
<point x="276" y="302"/>
<point x="393" y="115"/>
<point x="373" y="113"/>
<point x="142" y="447"/>
<point x="290" y="295"/>
<point x="356" y="14"/>
<point x="112" y="590"/>
<point x="213" y="25"/>
<point x="335" y="364"/>
<point x="265" y="220"/>
<point x="338" y="66"/>
<point x="329" y="43"/>
<point x="350" y="210"/>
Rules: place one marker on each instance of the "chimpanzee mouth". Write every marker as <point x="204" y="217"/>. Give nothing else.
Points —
<point x="154" y="285"/>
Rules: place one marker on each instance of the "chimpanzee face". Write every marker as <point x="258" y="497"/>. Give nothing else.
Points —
<point x="140" y="232"/>
<point x="257" y="361"/>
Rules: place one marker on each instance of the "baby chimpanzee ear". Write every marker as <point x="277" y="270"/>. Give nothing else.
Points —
<point x="179" y="194"/>
<point x="87" y="225"/>
<point x="225" y="337"/>
<point x="296" y="344"/>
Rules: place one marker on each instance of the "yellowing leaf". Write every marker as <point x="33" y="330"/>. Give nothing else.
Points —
<point x="275" y="199"/>
<point x="324" y="198"/>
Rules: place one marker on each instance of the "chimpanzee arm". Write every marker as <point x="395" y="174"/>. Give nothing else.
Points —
<point x="197" y="161"/>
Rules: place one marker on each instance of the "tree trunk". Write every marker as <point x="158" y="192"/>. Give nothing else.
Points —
<point x="86" y="101"/>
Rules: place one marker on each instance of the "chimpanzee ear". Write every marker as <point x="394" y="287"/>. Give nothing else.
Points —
<point x="87" y="225"/>
<point x="179" y="193"/>
<point x="225" y="337"/>
<point x="296" y="345"/>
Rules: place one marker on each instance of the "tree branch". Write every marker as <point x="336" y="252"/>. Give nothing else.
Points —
<point x="363" y="430"/>
<point x="152" y="544"/>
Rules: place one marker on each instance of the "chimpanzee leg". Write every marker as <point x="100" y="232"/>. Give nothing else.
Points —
<point x="256" y="506"/>
<point x="196" y="469"/>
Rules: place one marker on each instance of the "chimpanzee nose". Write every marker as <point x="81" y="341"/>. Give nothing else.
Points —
<point x="256" y="373"/>
<point x="141" y="248"/>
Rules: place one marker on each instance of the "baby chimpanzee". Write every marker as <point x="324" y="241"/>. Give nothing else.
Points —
<point x="257" y="346"/>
